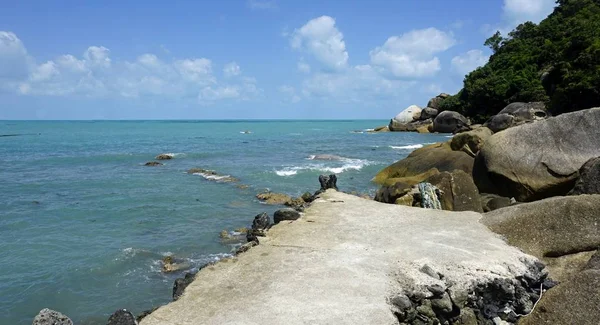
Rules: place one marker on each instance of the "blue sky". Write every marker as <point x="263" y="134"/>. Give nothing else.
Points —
<point x="241" y="59"/>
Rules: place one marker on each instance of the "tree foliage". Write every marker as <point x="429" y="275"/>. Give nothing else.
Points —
<point x="557" y="61"/>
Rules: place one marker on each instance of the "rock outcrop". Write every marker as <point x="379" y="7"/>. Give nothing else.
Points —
<point x="436" y="101"/>
<point x="260" y="225"/>
<point x="328" y="182"/>
<point x="411" y="113"/>
<point x="153" y="163"/>
<point x="516" y="114"/>
<point x="122" y="317"/>
<point x="439" y="156"/>
<point x="538" y="160"/>
<point x="272" y="198"/>
<point x="51" y="317"/>
<point x="470" y="142"/>
<point x="181" y="283"/>
<point x="458" y="192"/>
<point x="491" y="202"/>
<point x="428" y="113"/>
<point x="164" y="156"/>
<point x="449" y="122"/>
<point x="588" y="181"/>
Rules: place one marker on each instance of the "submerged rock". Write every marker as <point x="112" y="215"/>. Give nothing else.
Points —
<point x="327" y="157"/>
<point x="170" y="265"/>
<point x="153" y="163"/>
<point x="274" y="198"/>
<point x="164" y="156"/>
<point x="51" y="317"/>
<point x="212" y="175"/>
<point x="122" y="317"/>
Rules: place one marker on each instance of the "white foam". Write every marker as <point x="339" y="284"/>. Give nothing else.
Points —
<point x="212" y="177"/>
<point x="286" y="172"/>
<point x="410" y="146"/>
<point x="348" y="164"/>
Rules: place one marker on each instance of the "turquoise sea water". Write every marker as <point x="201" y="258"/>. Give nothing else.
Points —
<point x="84" y="225"/>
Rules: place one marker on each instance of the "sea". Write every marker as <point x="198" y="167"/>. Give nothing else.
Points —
<point x="84" y="224"/>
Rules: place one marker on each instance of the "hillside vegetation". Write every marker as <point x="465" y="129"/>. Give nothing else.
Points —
<point x="557" y="62"/>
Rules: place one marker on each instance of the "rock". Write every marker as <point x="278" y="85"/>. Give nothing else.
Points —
<point x="307" y="197"/>
<point x="51" y="317"/>
<point x="538" y="160"/>
<point x="285" y="214"/>
<point x="169" y="265"/>
<point x="164" y="156"/>
<point x="145" y="313"/>
<point x="411" y="113"/>
<point x="407" y="199"/>
<point x="428" y="113"/>
<point x="414" y="126"/>
<point x="182" y="283"/>
<point x="383" y="128"/>
<point x="594" y="262"/>
<point x="552" y="227"/>
<point x="442" y="304"/>
<point x="328" y="182"/>
<point x="122" y="317"/>
<point x="327" y="157"/>
<point x="399" y="187"/>
<point x="212" y="175"/>
<point x="246" y="247"/>
<point x="516" y="114"/>
<point x="260" y="225"/>
<point x="153" y="163"/>
<point x="424" y="128"/>
<point x="491" y="202"/>
<point x="458" y="192"/>
<point x="435" y="102"/>
<point x="438" y="155"/>
<point x="274" y="198"/>
<point x="471" y="141"/>
<point x="296" y="204"/>
<point x="588" y="181"/>
<point x="449" y="122"/>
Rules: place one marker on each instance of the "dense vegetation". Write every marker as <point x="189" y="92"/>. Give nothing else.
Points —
<point x="557" y="61"/>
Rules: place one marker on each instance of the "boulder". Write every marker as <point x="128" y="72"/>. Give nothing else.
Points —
<point x="274" y="198"/>
<point x="164" y="156"/>
<point x="122" y="317"/>
<point x="181" y="283"/>
<point x="437" y="100"/>
<point x="538" y="160"/>
<point x="449" y="122"/>
<point x="471" y="141"/>
<point x="51" y="317"/>
<point x="285" y="214"/>
<point x="516" y="114"/>
<point x="428" y="113"/>
<point x="458" y="191"/>
<point x="383" y="128"/>
<point x="394" y="188"/>
<point x="260" y="225"/>
<point x="411" y="113"/>
<point x="552" y="227"/>
<point x="409" y="127"/>
<point x="169" y="264"/>
<point x="438" y="155"/>
<point x="328" y="182"/>
<point x="424" y="128"/>
<point x="491" y="202"/>
<point x="153" y="163"/>
<point x="588" y="181"/>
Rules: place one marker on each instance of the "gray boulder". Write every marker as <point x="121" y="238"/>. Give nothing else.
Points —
<point x="517" y="113"/>
<point x="122" y="317"/>
<point x="181" y="283"/>
<point x="328" y="182"/>
<point x="51" y="317"/>
<point x="449" y="122"/>
<point x="285" y="214"/>
<point x="411" y="113"/>
<point x="589" y="178"/>
<point x="260" y="225"/>
<point x="437" y="100"/>
<point x="538" y="160"/>
<point x="428" y="113"/>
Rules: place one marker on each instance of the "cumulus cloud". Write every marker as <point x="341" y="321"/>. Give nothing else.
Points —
<point x="231" y="69"/>
<point x="321" y="38"/>
<point x="290" y="93"/>
<point x="94" y="73"/>
<point x="303" y="67"/>
<point x="469" y="61"/>
<point x="515" y="12"/>
<point x="411" y="55"/>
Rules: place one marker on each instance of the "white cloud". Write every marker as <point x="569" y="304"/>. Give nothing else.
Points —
<point x="231" y="69"/>
<point x="469" y="61"/>
<point x="324" y="41"/>
<point x="96" y="74"/>
<point x="411" y="55"/>
<point x="290" y="93"/>
<point x="262" y="4"/>
<point x="515" y="12"/>
<point x="303" y="67"/>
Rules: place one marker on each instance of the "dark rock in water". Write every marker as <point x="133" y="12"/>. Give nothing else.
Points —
<point x="145" y="313"/>
<point x="449" y="122"/>
<point x="458" y="191"/>
<point x="589" y="178"/>
<point x="428" y="113"/>
<point x="182" y="283"/>
<point x="491" y="202"/>
<point x="328" y="182"/>
<point x="122" y="317"/>
<point x="164" y="156"/>
<point x="273" y="198"/>
<point x="260" y="225"/>
<point x="307" y="197"/>
<point x="285" y="214"/>
<point x="296" y="204"/>
<point x="538" y="160"/>
<point x="51" y="317"/>
<point x="517" y="113"/>
<point x="246" y="247"/>
<point x="153" y="163"/>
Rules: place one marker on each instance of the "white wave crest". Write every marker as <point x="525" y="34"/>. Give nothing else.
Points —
<point x="286" y="172"/>
<point x="346" y="165"/>
<point x="410" y="146"/>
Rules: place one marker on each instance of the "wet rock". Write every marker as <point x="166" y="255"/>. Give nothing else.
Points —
<point x="285" y="214"/>
<point x="246" y="247"/>
<point x="296" y="204"/>
<point x="145" y="313"/>
<point x="328" y="182"/>
<point x="274" y="198"/>
<point x="170" y="265"/>
<point x="327" y="157"/>
<point x="122" y="317"/>
<point x="260" y="225"/>
<point x="449" y="122"/>
<point x="51" y="317"/>
<point x="153" y="163"/>
<point x="182" y="283"/>
<point x="164" y="156"/>
<point x="588" y="181"/>
<point x="380" y="129"/>
<point x="307" y="197"/>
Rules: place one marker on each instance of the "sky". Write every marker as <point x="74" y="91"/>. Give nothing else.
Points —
<point x="242" y="59"/>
